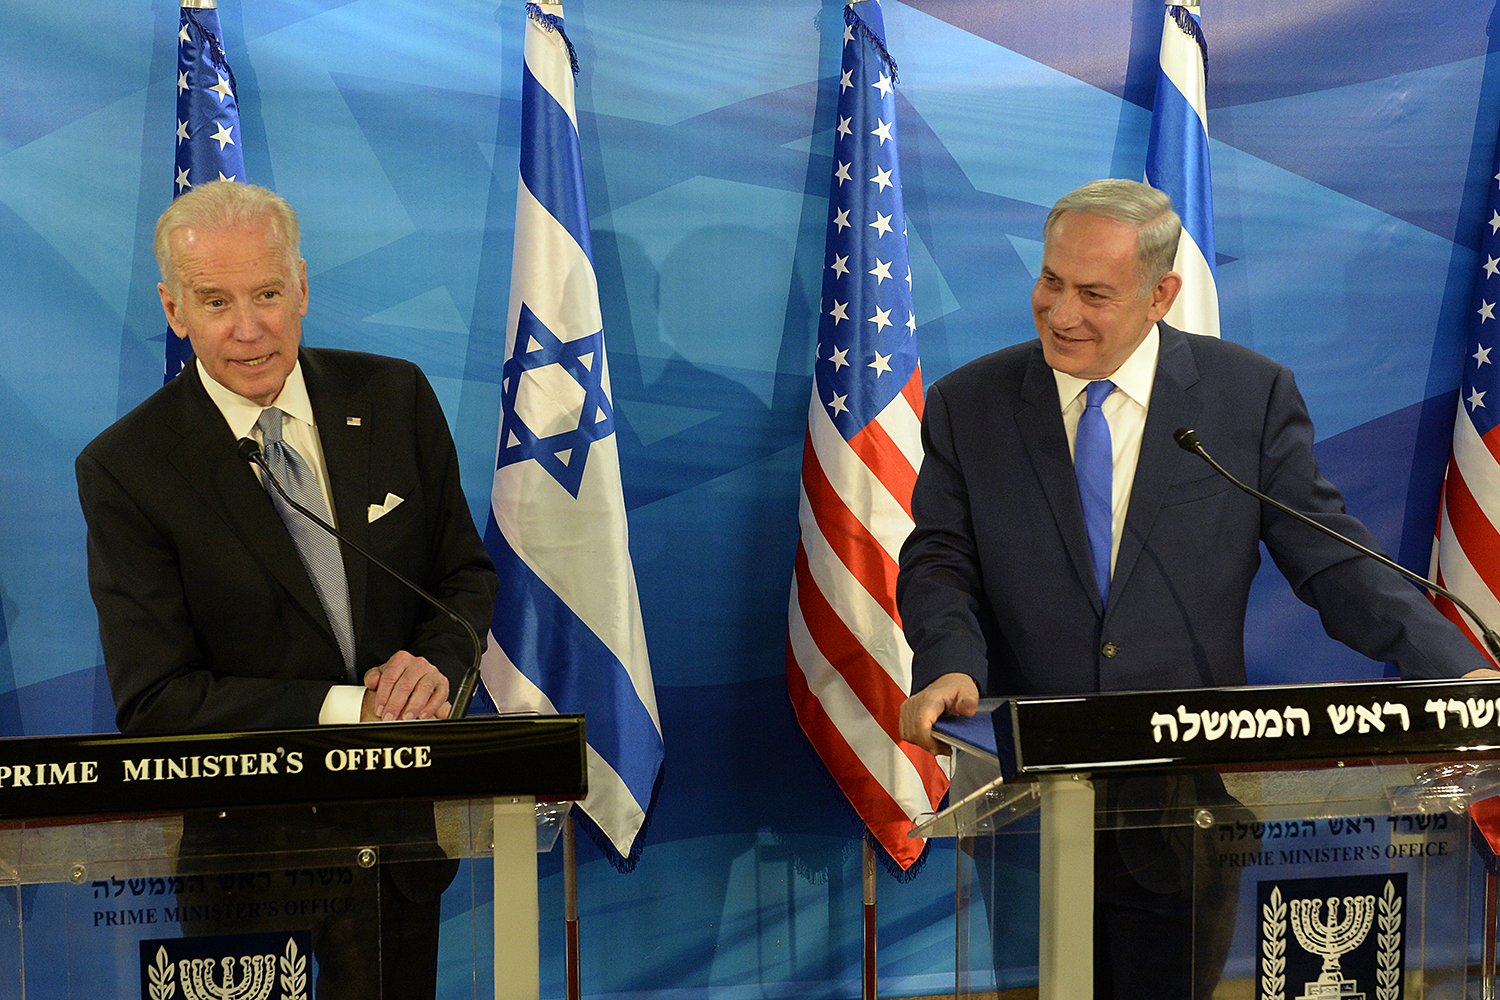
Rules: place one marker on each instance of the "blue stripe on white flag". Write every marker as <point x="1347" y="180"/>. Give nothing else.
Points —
<point x="1177" y="162"/>
<point x="554" y="180"/>
<point x="1181" y="168"/>
<point x="581" y="673"/>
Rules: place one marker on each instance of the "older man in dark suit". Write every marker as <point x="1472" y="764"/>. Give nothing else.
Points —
<point x="220" y="610"/>
<point x="1026" y="574"/>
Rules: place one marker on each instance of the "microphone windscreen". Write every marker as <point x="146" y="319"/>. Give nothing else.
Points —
<point x="1186" y="438"/>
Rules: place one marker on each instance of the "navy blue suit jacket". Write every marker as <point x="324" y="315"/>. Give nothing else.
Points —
<point x="996" y="579"/>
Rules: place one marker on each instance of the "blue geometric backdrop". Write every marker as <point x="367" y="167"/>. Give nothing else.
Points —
<point x="1351" y="145"/>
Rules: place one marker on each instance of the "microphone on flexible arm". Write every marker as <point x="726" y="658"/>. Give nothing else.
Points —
<point x="1187" y="440"/>
<point x="464" y="694"/>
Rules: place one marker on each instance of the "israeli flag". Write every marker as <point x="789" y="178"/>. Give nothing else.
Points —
<point x="566" y="635"/>
<point x="1177" y="163"/>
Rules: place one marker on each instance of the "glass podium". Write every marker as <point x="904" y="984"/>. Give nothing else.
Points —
<point x="281" y="866"/>
<point x="1341" y="854"/>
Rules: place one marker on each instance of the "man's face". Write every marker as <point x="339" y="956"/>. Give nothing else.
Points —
<point x="1087" y="304"/>
<point x="240" y="303"/>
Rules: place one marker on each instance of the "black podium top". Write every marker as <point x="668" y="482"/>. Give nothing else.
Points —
<point x="112" y="775"/>
<point x="1218" y="727"/>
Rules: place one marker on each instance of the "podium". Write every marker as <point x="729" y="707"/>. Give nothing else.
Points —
<point x="1315" y="842"/>
<point x="241" y="866"/>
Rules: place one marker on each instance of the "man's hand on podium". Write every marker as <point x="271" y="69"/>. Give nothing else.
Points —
<point x="405" y="688"/>
<point x="950" y="694"/>
<point x="1482" y="674"/>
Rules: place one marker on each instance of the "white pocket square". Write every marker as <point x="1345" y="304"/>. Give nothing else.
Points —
<point x="377" y="511"/>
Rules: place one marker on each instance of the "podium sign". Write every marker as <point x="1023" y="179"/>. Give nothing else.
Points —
<point x="265" y="865"/>
<point x="1343" y="865"/>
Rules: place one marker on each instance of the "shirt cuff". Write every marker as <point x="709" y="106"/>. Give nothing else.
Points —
<point x="342" y="705"/>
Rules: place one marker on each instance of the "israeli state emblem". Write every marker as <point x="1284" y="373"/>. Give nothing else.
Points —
<point x="227" y="967"/>
<point x="1336" y="938"/>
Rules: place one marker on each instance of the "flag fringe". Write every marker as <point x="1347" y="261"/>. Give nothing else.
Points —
<point x="890" y="864"/>
<point x="551" y="22"/>
<point x="1192" y="29"/>
<point x="215" y="51"/>
<point x="854" y="21"/>
<point x="624" y="864"/>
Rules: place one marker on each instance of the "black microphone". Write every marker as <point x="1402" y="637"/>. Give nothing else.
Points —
<point x="1187" y="440"/>
<point x="250" y="452"/>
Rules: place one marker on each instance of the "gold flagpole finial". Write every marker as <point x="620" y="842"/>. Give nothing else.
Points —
<point x="199" y="4"/>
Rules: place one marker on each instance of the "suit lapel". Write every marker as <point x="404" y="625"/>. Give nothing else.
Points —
<point x="1173" y="405"/>
<point x="343" y="428"/>
<point x="207" y="460"/>
<point x="1039" y="420"/>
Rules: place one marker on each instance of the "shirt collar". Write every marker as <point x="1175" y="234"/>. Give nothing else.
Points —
<point x="1134" y="377"/>
<point x="241" y="413"/>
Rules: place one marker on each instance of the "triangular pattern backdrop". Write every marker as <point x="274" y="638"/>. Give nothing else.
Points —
<point x="1351" y="146"/>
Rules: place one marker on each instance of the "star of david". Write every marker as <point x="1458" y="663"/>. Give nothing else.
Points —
<point x="540" y="364"/>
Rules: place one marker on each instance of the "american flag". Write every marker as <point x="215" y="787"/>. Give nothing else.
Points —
<point x="567" y="633"/>
<point x="1466" y="559"/>
<point x="208" y="123"/>
<point x="848" y="664"/>
<point x="1177" y="163"/>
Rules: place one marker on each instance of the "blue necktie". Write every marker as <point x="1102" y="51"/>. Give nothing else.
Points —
<point x="319" y="550"/>
<point x="1094" y="465"/>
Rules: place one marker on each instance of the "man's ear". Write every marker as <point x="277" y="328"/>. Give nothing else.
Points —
<point x="169" y="305"/>
<point x="1164" y="294"/>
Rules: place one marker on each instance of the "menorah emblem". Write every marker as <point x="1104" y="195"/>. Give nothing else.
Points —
<point x="1330" y="938"/>
<point x="257" y="978"/>
<point x="216" y="977"/>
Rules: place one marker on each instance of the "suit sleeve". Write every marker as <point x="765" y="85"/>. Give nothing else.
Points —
<point x="153" y="652"/>
<point x="1364" y="605"/>
<point x="939" y="584"/>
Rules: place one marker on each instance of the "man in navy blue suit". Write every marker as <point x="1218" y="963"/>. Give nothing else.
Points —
<point x="999" y="589"/>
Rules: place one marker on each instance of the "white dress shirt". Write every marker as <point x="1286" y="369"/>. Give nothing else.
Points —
<point x="1125" y="412"/>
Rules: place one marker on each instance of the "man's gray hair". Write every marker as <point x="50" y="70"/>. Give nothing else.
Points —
<point x="220" y="205"/>
<point x="1134" y="204"/>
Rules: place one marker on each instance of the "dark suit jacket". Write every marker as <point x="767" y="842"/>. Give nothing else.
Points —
<point x="996" y="579"/>
<point x="207" y="618"/>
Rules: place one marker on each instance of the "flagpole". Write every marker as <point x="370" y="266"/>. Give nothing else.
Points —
<point x="871" y="965"/>
<point x="570" y="908"/>
<point x="199" y="4"/>
<point x="1487" y="958"/>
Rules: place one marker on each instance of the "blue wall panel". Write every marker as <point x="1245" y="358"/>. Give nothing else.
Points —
<point x="1351" y="147"/>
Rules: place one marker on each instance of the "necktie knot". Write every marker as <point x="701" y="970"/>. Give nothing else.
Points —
<point x="1095" y="392"/>
<point x="269" y="425"/>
